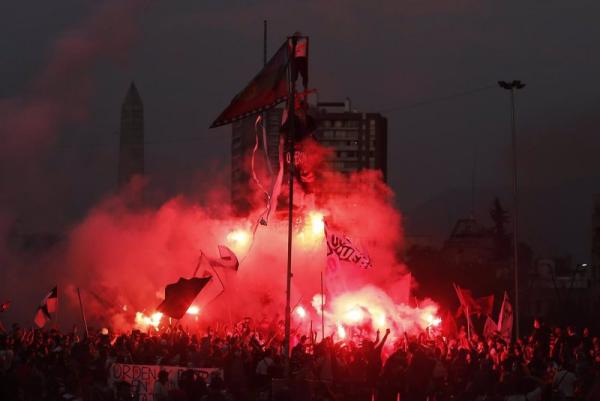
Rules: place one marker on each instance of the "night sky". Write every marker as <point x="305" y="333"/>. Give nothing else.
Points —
<point x="429" y="66"/>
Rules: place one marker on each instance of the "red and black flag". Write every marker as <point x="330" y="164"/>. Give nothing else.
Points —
<point x="265" y="91"/>
<point x="270" y="86"/>
<point x="46" y="308"/>
<point x="180" y="295"/>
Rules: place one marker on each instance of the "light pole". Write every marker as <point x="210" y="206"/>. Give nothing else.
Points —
<point x="513" y="87"/>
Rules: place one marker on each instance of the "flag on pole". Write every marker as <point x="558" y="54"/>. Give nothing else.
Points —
<point x="505" y="319"/>
<point x="483" y="305"/>
<point x="449" y="328"/>
<point x="342" y="251"/>
<point x="466" y="299"/>
<point x="490" y="327"/>
<point x="180" y="295"/>
<point x="226" y="259"/>
<point x="268" y="88"/>
<point x="46" y="308"/>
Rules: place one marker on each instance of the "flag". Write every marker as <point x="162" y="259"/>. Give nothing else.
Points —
<point x="180" y="295"/>
<point x="490" y="327"/>
<point x="227" y="259"/>
<point x="4" y="306"/>
<point x="505" y="319"/>
<point x="300" y="59"/>
<point x="483" y="305"/>
<point x="466" y="300"/>
<point x="341" y="251"/>
<point x="47" y="306"/>
<point x="212" y="290"/>
<point x="449" y="328"/>
<point x="268" y="88"/>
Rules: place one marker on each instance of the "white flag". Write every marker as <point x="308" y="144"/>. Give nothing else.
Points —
<point x="505" y="320"/>
<point x="341" y="250"/>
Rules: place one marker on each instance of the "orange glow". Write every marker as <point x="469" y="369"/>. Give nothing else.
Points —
<point x="301" y="312"/>
<point x="146" y="321"/>
<point x="193" y="310"/>
<point x="317" y="302"/>
<point x="313" y="230"/>
<point x="432" y="320"/>
<point x="239" y="240"/>
<point x="317" y="224"/>
<point x="355" y="315"/>
<point x="341" y="332"/>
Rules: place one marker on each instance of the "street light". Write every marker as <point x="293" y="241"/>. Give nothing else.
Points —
<point x="513" y="87"/>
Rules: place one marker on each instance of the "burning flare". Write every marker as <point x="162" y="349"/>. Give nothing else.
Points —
<point x="144" y="322"/>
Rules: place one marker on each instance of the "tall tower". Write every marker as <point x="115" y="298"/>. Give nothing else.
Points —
<point x="131" y="144"/>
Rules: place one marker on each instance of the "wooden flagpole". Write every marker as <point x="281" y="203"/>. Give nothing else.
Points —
<point x="82" y="313"/>
<point x="322" y="310"/>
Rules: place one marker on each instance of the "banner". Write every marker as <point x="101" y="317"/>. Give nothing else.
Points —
<point x="143" y="377"/>
<point x="266" y="90"/>
<point x="341" y="250"/>
<point x="505" y="320"/>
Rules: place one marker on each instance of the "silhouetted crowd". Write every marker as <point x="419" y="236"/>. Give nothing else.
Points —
<point x="550" y="364"/>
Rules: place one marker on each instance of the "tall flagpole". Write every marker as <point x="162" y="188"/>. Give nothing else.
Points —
<point x="82" y="313"/>
<point x="322" y="310"/>
<point x="291" y="170"/>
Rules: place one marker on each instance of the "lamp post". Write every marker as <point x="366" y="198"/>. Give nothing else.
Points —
<point x="513" y="87"/>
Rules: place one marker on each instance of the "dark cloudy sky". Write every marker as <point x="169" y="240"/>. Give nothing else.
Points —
<point x="429" y="66"/>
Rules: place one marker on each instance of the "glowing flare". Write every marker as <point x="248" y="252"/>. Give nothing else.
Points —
<point x="316" y="302"/>
<point x="316" y="223"/>
<point x="433" y="320"/>
<point x="239" y="238"/>
<point x="301" y="312"/>
<point x="355" y="315"/>
<point x="379" y="320"/>
<point x="193" y="310"/>
<point x="145" y="321"/>
<point x="341" y="331"/>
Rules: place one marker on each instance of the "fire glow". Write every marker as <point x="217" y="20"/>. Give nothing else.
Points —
<point x="145" y="322"/>
<point x="239" y="240"/>
<point x="193" y="310"/>
<point x="301" y="312"/>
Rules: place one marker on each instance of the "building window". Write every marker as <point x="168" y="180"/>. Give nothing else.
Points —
<point x="338" y="124"/>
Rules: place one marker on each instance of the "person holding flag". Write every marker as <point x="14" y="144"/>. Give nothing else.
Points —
<point x="47" y="307"/>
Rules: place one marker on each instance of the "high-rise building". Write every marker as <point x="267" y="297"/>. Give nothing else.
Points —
<point x="357" y="141"/>
<point x="131" y="143"/>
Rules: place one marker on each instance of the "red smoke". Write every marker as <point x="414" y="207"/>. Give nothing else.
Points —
<point x="123" y="259"/>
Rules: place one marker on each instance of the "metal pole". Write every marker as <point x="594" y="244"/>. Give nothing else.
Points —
<point x="291" y="170"/>
<point x="322" y="310"/>
<point x="515" y="206"/>
<point x="82" y="313"/>
<point x="513" y="87"/>
<point x="264" y="43"/>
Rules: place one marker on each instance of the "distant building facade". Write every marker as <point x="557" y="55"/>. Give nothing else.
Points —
<point x="358" y="141"/>
<point x="131" y="138"/>
<point x="559" y="289"/>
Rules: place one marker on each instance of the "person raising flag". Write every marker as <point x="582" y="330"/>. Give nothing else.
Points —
<point x="46" y="308"/>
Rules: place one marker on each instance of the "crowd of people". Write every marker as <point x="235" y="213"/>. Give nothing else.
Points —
<point x="550" y="364"/>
